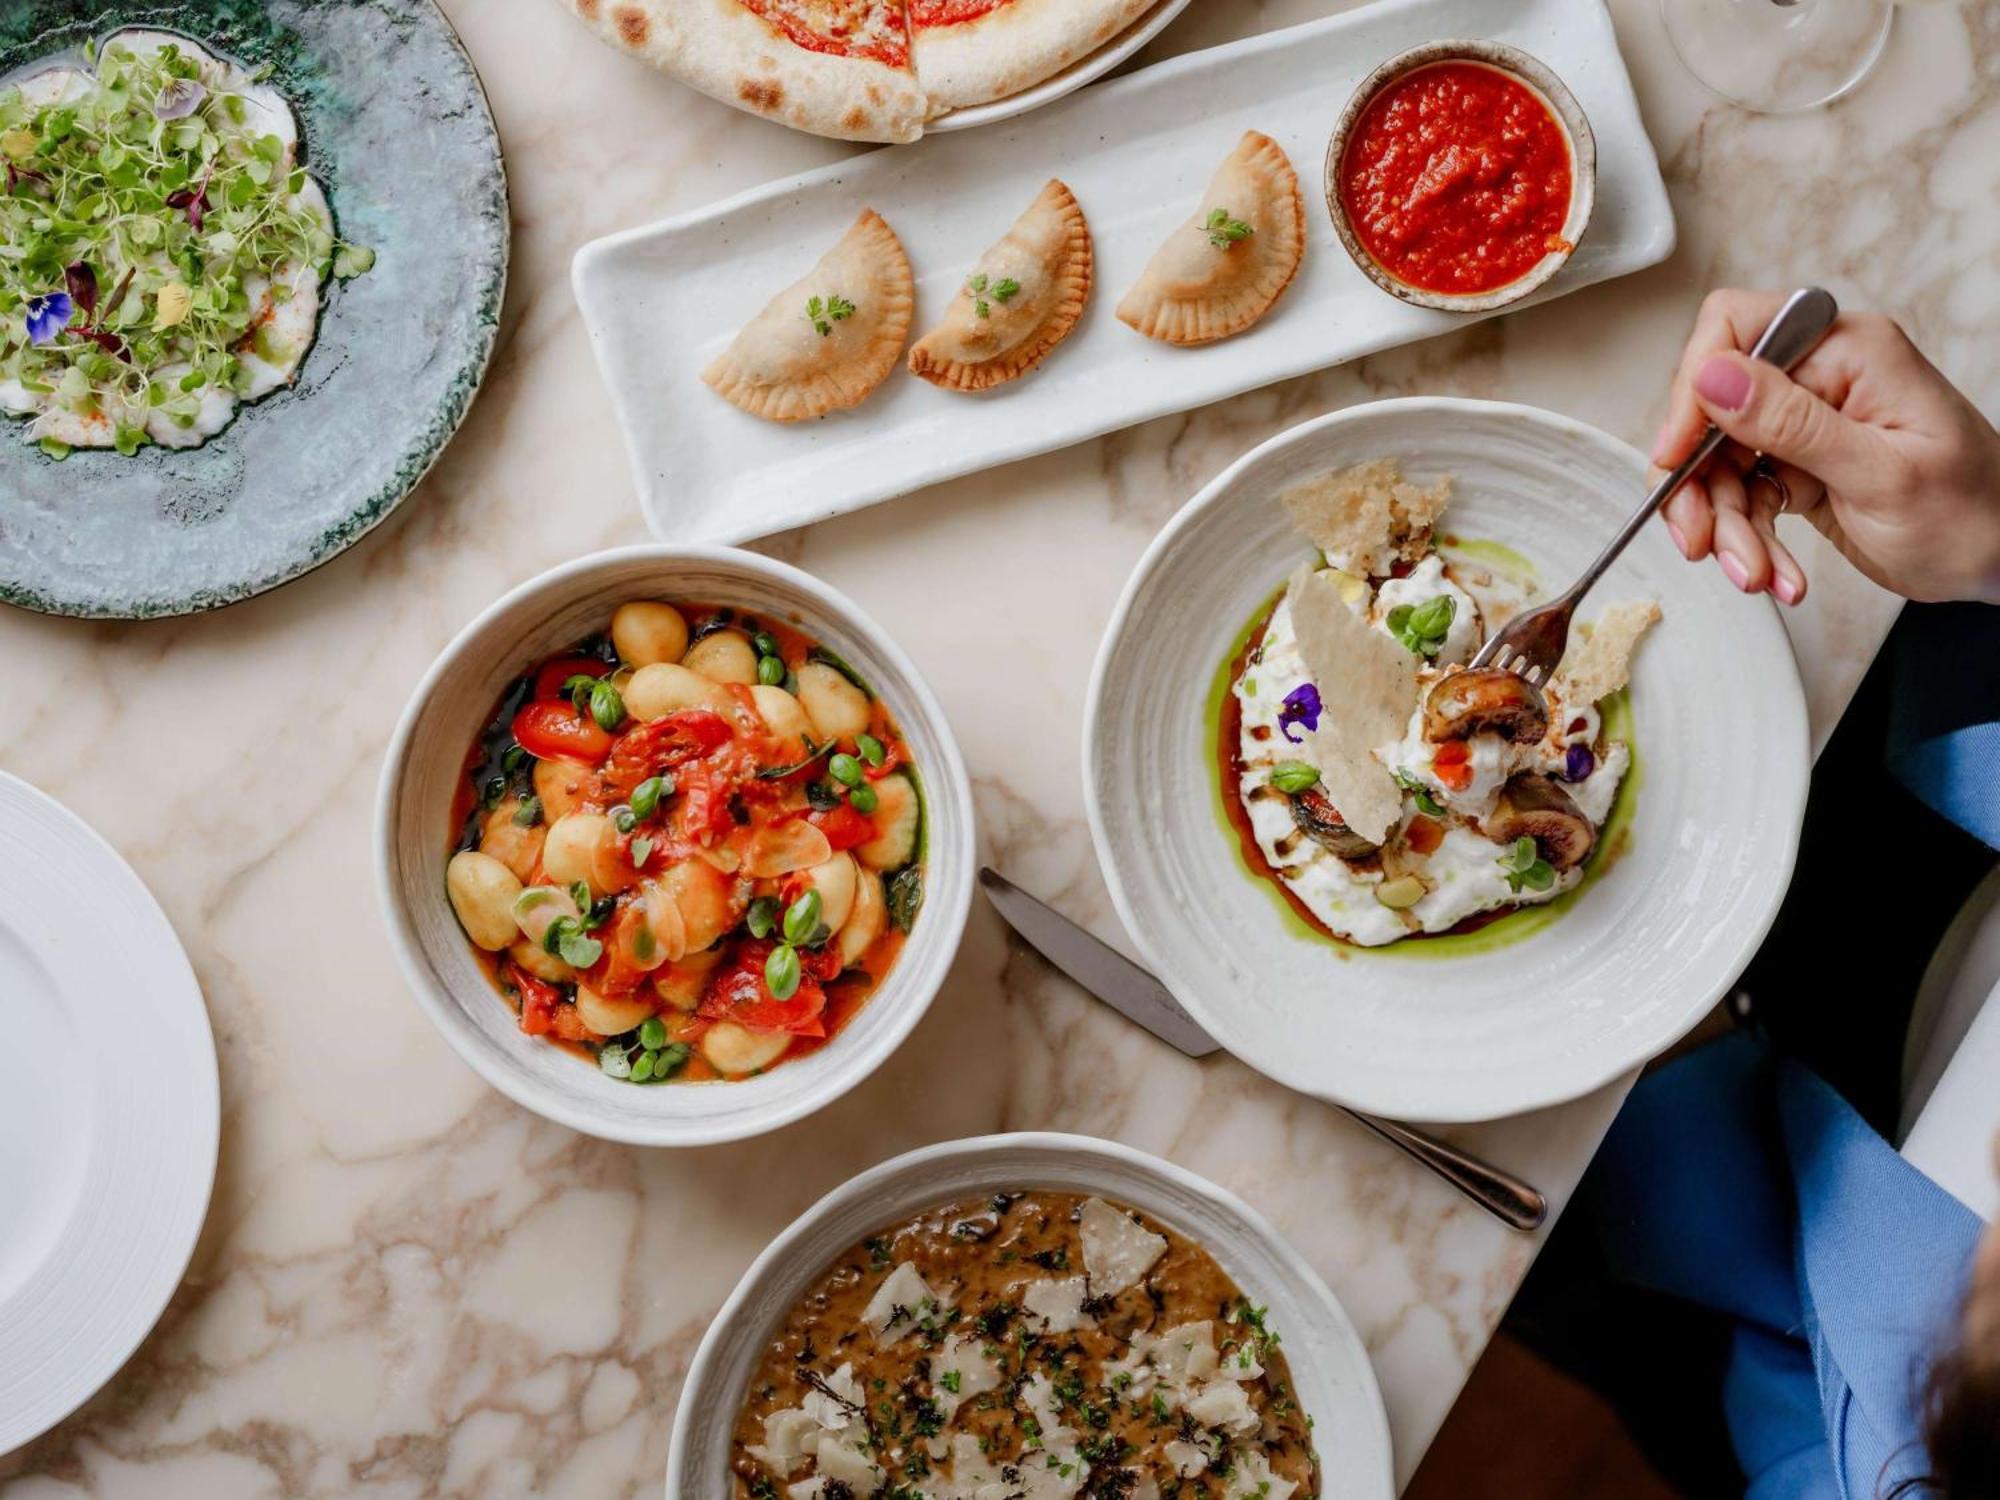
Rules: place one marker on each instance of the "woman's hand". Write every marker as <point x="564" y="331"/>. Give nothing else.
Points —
<point x="1864" y="438"/>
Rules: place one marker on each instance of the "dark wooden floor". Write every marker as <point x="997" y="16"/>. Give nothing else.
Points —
<point x="1523" y="1430"/>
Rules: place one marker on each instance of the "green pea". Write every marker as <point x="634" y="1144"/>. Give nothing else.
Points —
<point x="643" y="1068"/>
<point x="652" y="1033"/>
<point x="781" y="972"/>
<point x="624" y="819"/>
<point x="863" y="799"/>
<point x="845" y="769"/>
<point x="765" y="642"/>
<point x="770" y="670"/>
<point x="872" y="749"/>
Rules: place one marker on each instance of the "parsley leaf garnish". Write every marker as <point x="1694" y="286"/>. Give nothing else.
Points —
<point x="1223" y="231"/>
<point x="824" y="312"/>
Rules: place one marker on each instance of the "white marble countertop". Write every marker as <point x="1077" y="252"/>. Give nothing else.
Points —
<point x="409" y="1287"/>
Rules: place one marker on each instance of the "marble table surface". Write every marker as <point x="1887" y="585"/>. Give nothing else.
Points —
<point x="409" y="1287"/>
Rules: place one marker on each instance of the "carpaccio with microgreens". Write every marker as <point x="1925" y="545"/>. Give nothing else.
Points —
<point x="1030" y="1345"/>
<point x="1388" y="788"/>
<point x="689" y="847"/>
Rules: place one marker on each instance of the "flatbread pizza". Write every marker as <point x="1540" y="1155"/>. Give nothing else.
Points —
<point x="859" y="70"/>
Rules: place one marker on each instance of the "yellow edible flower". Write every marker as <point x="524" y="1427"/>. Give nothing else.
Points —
<point x="18" y="143"/>
<point x="172" y="308"/>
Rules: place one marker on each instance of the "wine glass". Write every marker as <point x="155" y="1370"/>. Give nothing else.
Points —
<point x="1778" y="56"/>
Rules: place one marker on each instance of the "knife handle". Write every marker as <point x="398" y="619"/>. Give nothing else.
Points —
<point x="1505" y="1196"/>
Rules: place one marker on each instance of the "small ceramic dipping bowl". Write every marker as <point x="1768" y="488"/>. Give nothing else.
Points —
<point x="1562" y="106"/>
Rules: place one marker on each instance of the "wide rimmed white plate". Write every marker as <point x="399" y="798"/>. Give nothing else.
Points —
<point x="108" y="1112"/>
<point x="659" y="302"/>
<point x="1330" y="1370"/>
<point x="1069" y="80"/>
<point x="1434" y="1032"/>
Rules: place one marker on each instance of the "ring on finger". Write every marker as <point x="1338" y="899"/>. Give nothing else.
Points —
<point x="1766" y="472"/>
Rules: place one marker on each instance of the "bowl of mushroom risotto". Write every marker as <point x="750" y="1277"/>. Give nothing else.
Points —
<point x="674" y="846"/>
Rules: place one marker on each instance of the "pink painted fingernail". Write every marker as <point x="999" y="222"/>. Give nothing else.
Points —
<point x="1785" y="589"/>
<point x="1679" y="540"/>
<point x="1738" y="574"/>
<point x="1723" y="382"/>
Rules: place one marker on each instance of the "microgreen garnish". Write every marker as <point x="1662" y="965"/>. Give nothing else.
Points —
<point x="567" y="940"/>
<point x="1526" y="869"/>
<point x="1294" y="776"/>
<point x="982" y="289"/>
<point x="1420" y="794"/>
<point x="1302" y="706"/>
<point x="1223" y="231"/>
<point x="155" y="186"/>
<point x="824" y="312"/>
<point x="1422" y="627"/>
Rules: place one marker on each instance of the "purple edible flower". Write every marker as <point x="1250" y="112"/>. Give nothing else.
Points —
<point x="1302" y="706"/>
<point x="1578" y="763"/>
<point x="48" y="315"/>
<point x="178" y="98"/>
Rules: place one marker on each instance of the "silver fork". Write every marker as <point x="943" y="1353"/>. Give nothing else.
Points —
<point x="1532" y="643"/>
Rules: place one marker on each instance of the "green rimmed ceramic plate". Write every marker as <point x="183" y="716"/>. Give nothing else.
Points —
<point x="396" y="128"/>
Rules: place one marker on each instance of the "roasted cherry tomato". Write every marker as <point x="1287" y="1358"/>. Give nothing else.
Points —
<point x="540" y="1002"/>
<point x="549" y="681"/>
<point x="661" y="745"/>
<point x="1424" y="834"/>
<point x="556" y="731"/>
<point x="738" y="993"/>
<point x="843" y="826"/>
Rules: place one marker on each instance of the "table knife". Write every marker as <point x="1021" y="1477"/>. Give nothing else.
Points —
<point x="1138" y="996"/>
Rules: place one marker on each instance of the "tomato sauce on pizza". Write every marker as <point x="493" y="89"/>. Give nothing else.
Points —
<point x="875" y="29"/>
<point x="951" y="12"/>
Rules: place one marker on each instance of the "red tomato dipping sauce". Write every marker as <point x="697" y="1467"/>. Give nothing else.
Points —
<point x="1457" y="178"/>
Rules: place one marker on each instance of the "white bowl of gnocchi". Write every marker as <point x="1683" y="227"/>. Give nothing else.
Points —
<point x="673" y="845"/>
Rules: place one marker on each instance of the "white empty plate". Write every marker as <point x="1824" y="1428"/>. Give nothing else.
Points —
<point x="1438" y="1031"/>
<point x="108" y="1112"/>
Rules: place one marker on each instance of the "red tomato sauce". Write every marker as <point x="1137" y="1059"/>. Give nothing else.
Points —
<point x="950" y="12"/>
<point x="1457" y="178"/>
<point x="841" y="29"/>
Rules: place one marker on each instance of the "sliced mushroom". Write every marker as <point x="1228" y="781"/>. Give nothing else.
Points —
<point x="1533" y="806"/>
<point x="1321" y="822"/>
<point x="1484" y="699"/>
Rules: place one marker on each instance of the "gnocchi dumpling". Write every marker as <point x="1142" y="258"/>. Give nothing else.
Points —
<point x="584" y="846"/>
<point x="1224" y="268"/>
<point x="610" y="1015"/>
<point x="736" y="1050"/>
<point x="835" y="880"/>
<point x="837" y="708"/>
<point x="865" y="922"/>
<point x="723" y="656"/>
<point x="898" y="820"/>
<point x="667" y="687"/>
<point x="483" y="891"/>
<point x="646" y="631"/>
<point x="560" y="784"/>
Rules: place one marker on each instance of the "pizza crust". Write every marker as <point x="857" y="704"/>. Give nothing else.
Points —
<point x="1014" y="46"/>
<point x="734" y="55"/>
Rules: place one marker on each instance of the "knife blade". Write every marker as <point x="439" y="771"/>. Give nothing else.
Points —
<point x="1097" y="966"/>
<point x="1135" y="994"/>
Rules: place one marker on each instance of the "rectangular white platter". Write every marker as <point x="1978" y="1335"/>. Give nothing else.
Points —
<point x="660" y="301"/>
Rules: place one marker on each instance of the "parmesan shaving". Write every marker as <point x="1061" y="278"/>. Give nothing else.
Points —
<point x="1602" y="663"/>
<point x="1368" y="684"/>
<point x="900" y="1303"/>
<point x="1118" y="1251"/>
<point x="1057" y="1306"/>
<point x="1367" y="518"/>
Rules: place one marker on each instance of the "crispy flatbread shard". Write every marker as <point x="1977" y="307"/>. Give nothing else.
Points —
<point x="1017" y="303"/>
<point x="1212" y="278"/>
<point x="1012" y="46"/>
<point x="1368" y="686"/>
<point x="837" y="69"/>
<point x="828" y="339"/>
<point x="1368" y="518"/>
<point x="1601" y="663"/>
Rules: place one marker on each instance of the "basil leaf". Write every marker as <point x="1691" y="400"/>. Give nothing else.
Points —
<point x="762" y="916"/>
<point x="781" y="972"/>
<point x="802" y="918"/>
<point x="1294" y="776"/>
<point x="905" y="894"/>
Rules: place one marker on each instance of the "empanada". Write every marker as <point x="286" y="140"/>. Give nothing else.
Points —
<point x="1020" y="300"/>
<point x="1221" y="270"/>
<point x="828" y="340"/>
